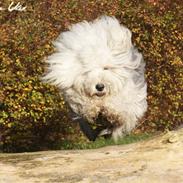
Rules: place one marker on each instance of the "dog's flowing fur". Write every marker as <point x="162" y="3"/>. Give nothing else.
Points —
<point x="100" y="52"/>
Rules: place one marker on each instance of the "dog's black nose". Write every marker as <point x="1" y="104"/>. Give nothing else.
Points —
<point x="100" y="87"/>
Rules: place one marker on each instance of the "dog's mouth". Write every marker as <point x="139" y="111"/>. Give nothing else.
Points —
<point x="100" y="94"/>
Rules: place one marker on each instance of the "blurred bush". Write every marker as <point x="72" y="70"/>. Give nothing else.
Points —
<point x="33" y="115"/>
<point x="157" y="32"/>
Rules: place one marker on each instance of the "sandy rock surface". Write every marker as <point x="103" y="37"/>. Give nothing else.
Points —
<point x="158" y="160"/>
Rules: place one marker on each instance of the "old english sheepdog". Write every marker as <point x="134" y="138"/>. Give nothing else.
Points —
<point x="101" y="76"/>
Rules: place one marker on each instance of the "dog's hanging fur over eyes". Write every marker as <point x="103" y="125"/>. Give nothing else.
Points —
<point x="100" y="73"/>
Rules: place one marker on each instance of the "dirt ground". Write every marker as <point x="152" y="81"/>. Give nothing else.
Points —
<point x="158" y="160"/>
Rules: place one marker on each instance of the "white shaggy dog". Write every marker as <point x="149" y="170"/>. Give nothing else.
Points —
<point x="100" y="72"/>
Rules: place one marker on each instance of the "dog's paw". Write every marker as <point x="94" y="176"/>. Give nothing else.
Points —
<point x="105" y="132"/>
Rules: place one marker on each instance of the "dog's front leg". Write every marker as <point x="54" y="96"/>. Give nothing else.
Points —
<point x="86" y="128"/>
<point x="88" y="131"/>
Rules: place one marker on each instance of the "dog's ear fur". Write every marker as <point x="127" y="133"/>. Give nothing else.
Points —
<point x="62" y="69"/>
<point x="119" y="41"/>
<point x="118" y="36"/>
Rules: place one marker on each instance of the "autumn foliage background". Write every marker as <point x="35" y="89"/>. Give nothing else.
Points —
<point x="33" y="115"/>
